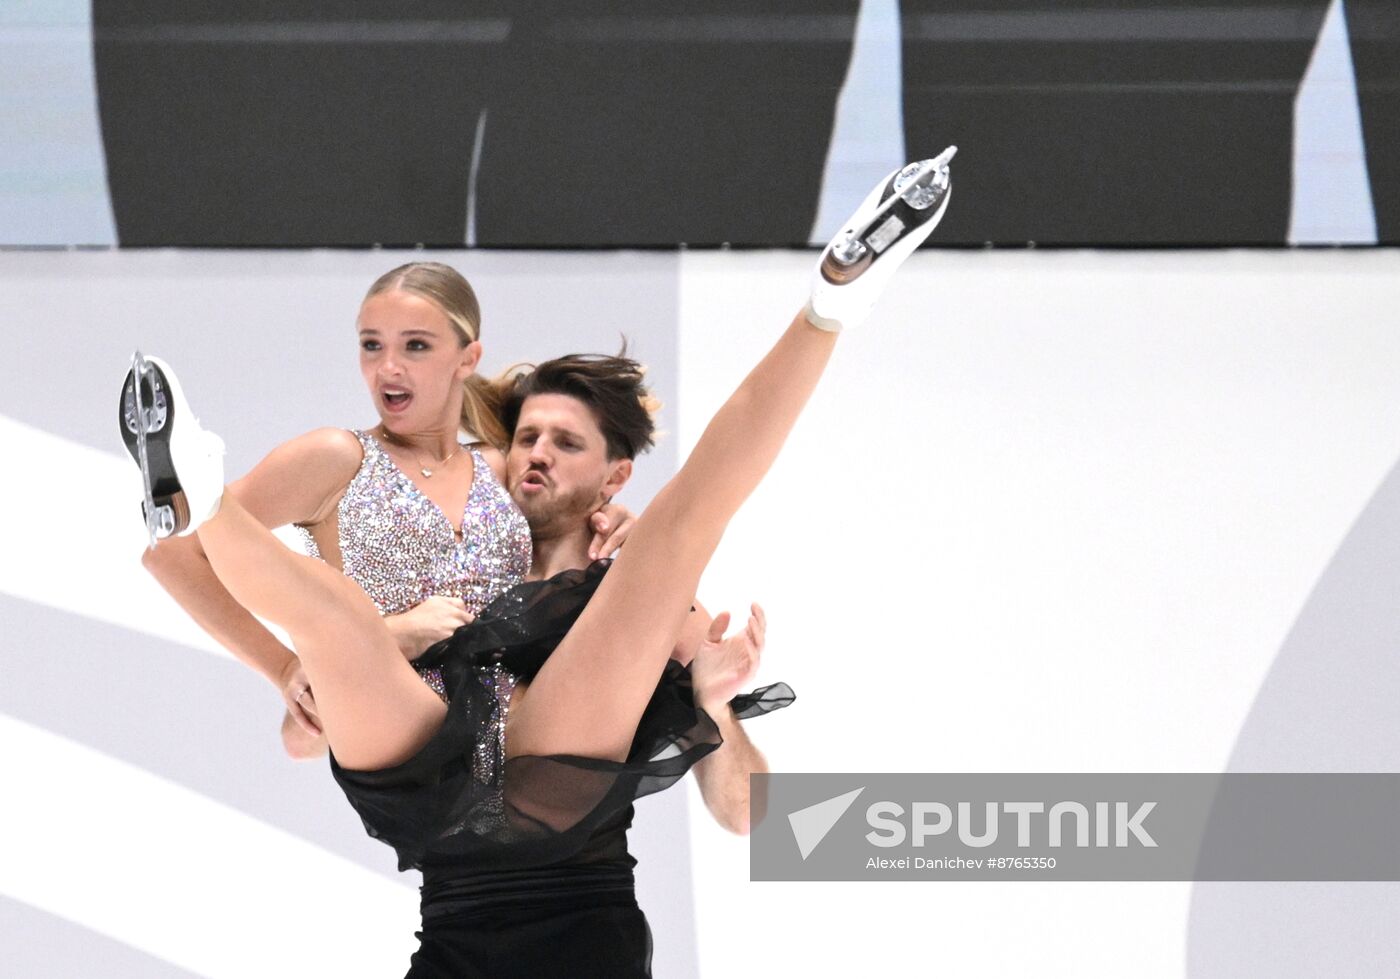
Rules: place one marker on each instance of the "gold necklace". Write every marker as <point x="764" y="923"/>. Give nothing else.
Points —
<point x="393" y="439"/>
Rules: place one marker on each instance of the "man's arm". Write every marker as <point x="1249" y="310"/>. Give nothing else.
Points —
<point x="723" y="775"/>
<point x="719" y="666"/>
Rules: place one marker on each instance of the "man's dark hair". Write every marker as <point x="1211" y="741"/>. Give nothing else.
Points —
<point x="611" y="387"/>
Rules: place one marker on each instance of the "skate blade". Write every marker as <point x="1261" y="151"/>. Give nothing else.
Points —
<point x="916" y="195"/>
<point x="145" y="411"/>
<point x="919" y="186"/>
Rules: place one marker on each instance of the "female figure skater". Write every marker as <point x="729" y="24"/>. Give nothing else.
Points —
<point x="593" y="728"/>
<point x="386" y="506"/>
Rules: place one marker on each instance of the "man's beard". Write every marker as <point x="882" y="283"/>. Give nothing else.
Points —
<point x="557" y="515"/>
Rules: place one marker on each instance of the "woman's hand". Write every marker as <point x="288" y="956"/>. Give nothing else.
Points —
<point x="428" y="622"/>
<point x="723" y="664"/>
<point x="296" y="693"/>
<point x="611" y="524"/>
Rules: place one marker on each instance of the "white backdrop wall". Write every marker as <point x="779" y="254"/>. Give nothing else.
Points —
<point x="1050" y="511"/>
<point x="1062" y="512"/>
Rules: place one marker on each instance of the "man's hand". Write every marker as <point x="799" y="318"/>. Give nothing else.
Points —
<point x="721" y="666"/>
<point x="296" y="694"/>
<point x="611" y="524"/>
<point x="428" y="622"/>
<point x="299" y="743"/>
<point x="724" y="664"/>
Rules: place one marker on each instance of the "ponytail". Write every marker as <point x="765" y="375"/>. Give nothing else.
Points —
<point x="481" y="411"/>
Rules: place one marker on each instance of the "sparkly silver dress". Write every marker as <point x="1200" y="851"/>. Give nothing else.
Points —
<point x="399" y="546"/>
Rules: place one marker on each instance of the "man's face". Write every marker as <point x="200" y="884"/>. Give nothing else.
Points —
<point x="557" y="469"/>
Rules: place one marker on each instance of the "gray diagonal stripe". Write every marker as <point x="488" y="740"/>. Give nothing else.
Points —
<point x="205" y="722"/>
<point x="1326" y="705"/>
<point x="483" y="30"/>
<point x="39" y="945"/>
<point x="1283" y="22"/>
<point x="703" y="29"/>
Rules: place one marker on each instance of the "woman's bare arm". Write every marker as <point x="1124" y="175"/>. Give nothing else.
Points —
<point x="298" y="482"/>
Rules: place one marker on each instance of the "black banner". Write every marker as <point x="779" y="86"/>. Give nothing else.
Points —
<point x="628" y="123"/>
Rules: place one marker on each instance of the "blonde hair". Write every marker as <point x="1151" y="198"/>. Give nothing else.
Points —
<point x="445" y="288"/>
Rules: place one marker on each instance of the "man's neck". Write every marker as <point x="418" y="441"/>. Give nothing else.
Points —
<point x="564" y="552"/>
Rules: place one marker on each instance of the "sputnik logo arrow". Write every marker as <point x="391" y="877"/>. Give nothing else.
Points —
<point x="810" y="825"/>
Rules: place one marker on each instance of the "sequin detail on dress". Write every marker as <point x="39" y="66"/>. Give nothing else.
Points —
<point x="489" y="750"/>
<point x="399" y="546"/>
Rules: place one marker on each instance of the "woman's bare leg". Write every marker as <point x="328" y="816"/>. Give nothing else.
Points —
<point x="591" y="691"/>
<point x="589" y="695"/>
<point x="374" y="708"/>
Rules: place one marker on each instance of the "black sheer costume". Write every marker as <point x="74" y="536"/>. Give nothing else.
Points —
<point x="525" y="863"/>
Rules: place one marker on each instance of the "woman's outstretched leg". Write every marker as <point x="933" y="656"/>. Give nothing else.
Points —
<point x="373" y="707"/>
<point x="590" y="694"/>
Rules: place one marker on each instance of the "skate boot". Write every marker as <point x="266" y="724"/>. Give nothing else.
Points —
<point x="182" y="465"/>
<point x="894" y="220"/>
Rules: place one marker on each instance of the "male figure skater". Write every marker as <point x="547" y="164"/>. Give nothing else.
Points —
<point x="576" y="424"/>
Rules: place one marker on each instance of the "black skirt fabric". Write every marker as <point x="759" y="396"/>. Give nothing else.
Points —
<point x="457" y="799"/>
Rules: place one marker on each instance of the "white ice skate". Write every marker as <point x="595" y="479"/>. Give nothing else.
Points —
<point x="182" y="465"/>
<point x="899" y="214"/>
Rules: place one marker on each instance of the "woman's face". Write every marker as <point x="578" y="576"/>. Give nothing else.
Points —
<point x="413" y="361"/>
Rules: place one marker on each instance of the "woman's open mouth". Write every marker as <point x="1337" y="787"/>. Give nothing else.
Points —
<point x="395" y="399"/>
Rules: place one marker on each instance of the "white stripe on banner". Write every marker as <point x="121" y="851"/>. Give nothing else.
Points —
<point x="1331" y="185"/>
<point x="183" y="878"/>
<point x="867" y="136"/>
<point x="53" y="172"/>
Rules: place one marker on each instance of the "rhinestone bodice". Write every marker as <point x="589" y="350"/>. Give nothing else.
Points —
<point x="400" y="547"/>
